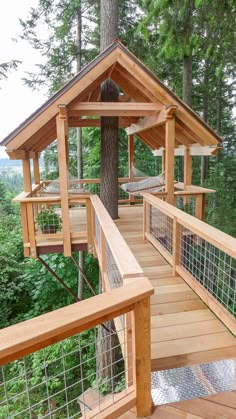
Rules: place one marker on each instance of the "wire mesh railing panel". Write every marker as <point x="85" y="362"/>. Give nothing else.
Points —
<point x="161" y="228"/>
<point x="214" y="269"/>
<point x="98" y="232"/>
<point x="187" y="205"/>
<point x="122" y="195"/>
<point x="47" y="218"/>
<point x="93" y="188"/>
<point x="67" y="379"/>
<point x="113" y="273"/>
<point x="77" y="218"/>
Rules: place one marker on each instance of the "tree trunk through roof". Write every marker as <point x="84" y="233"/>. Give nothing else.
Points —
<point x="109" y="125"/>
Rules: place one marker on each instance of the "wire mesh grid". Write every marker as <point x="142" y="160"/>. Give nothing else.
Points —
<point x="77" y="217"/>
<point x="187" y="205"/>
<point x="93" y="188"/>
<point x="122" y="194"/>
<point x="161" y="228"/>
<point x="210" y="266"/>
<point x="67" y="379"/>
<point x="97" y="232"/>
<point x="113" y="273"/>
<point x="47" y="218"/>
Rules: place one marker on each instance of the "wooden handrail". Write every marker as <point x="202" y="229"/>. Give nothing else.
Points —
<point x="124" y="258"/>
<point x="31" y="335"/>
<point x="211" y="234"/>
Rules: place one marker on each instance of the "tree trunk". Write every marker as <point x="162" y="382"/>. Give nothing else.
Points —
<point x="79" y="143"/>
<point x="204" y="159"/>
<point x="109" y="22"/>
<point x="109" y="152"/>
<point x="109" y="125"/>
<point x="188" y="59"/>
<point x="106" y="356"/>
<point x="187" y="80"/>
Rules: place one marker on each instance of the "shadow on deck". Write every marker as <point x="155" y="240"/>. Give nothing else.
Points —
<point x="184" y="331"/>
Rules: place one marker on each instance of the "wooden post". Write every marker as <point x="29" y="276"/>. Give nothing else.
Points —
<point x="131" y="164"/>
<point x="25" y="231"/>
<point x="89" y="225"/>
<point x="142" y="318"/>
<point x="200" y="207"/>
<point x="170" y="159"/>
<point x="187" y="171"/>
<point x="62" y="138"/>
<point x="27" y="174"/>
<point x="31" y="227"/>
<point x="146" y="218"/>
<point x="103" y="261"/>
<point x="163" y="163"/>
<point x="36" y="169"/>
<point x="93" y="231"/>
<point x="176" y="244"/>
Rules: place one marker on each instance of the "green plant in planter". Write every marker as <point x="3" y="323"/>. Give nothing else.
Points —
<point x="49" y="221"/>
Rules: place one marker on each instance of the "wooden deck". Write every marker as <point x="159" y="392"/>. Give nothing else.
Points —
<point x="220" y="406"/>
<point x="184" y="330"/>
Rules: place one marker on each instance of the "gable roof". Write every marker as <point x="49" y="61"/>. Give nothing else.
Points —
<point x="119" y="64"/>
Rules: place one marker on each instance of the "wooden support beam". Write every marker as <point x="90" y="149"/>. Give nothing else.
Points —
<point x="62" y="138"/>
<point x="36" y="169"/>
<point x="27" y="175"/>
<point x="170" y="160"/>
<point x="131" y="163"/>
<point x="92" y="122"/>
<point x="187" y="167"/>
<point x="147" y="123"/>
<point x="194" y="150"/>
<point x="112" y="109"/>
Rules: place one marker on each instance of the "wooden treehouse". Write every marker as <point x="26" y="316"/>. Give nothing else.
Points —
<point x="169" y="279"/>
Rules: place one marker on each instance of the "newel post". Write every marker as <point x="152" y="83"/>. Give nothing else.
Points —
<point x="176" y="244"/>
<point x="131" y="163"/>
<point x="142" y="332"/>
<point x="62" y="139"/>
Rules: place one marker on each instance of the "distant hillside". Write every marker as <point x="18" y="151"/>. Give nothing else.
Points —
<point x="10" y="163"/>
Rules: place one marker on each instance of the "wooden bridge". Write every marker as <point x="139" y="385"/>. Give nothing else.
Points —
<point x="168" y="278"/>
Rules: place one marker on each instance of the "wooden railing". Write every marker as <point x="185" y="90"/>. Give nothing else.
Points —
<point x="42" y="222"/>
<point x="204" y="256"/>
<point x="90" y="185"/>
<point x="22" y="382"/>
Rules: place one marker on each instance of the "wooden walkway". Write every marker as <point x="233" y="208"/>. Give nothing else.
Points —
<point x="220" y="406"/>
<point x="184" y="331"/>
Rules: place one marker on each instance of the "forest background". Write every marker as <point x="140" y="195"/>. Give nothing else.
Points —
<point x="188" y="44"/>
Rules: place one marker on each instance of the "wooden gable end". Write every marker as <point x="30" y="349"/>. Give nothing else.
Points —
<point x="139" y="85"/>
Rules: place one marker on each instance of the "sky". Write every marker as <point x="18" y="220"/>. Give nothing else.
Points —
<point x="17" y="101"/>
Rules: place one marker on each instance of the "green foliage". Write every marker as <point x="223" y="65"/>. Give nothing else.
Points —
<point x="48" y="219"/>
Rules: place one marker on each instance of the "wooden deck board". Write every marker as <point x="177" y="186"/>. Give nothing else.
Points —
<point x="184" y="330"/>
<point x="219" y="406"/>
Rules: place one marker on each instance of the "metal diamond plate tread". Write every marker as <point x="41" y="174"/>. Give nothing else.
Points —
<point x="186" y="383"/>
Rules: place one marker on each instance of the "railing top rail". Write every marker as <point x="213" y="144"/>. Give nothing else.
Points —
<point x="223" y="241"/>
<point x="193" y="188"/>
<point x="29" y="336"/>
<point x="124" y="258"/>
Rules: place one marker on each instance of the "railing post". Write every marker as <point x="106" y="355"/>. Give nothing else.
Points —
<point x="31" y="227"/>
<point x="25" y="231"/>
<point x="93" y="230"/>
<point x="176" y="244"/>
<point x="103" y="256"/>
<point x="89" y="225"/>
<point x="144" y="405"/>
<point x="146" y="218"/>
